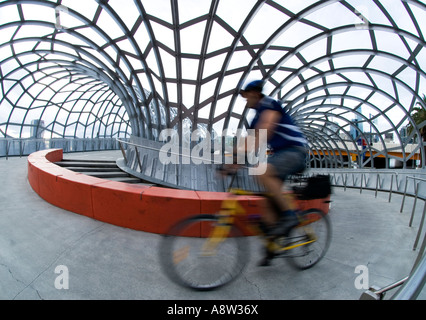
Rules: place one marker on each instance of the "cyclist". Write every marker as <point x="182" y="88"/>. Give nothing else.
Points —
<point x="288" y="156"/>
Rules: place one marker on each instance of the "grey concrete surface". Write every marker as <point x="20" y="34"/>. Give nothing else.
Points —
<point x="110" y="262"/>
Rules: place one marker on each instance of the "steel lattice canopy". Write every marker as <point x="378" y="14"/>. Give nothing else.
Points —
<point x="346" y="70"/>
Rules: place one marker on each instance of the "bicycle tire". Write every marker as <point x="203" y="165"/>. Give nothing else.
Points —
<point x="306" y="256"/>
<point x="184" y="262"/>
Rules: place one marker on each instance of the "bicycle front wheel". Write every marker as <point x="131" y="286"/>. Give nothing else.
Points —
<point x="203" y="263"/>
<point x="314" y="236"/>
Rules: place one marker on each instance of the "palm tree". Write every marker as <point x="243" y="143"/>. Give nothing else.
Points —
<point x="419" y="116"/>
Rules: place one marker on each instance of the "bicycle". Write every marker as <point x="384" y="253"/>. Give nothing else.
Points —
<point x="221" y="251"/>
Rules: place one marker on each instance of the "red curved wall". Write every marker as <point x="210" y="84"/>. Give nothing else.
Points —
<point x="144" y="208"/>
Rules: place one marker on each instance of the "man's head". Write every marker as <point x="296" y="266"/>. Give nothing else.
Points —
<point x="253" y="93"/>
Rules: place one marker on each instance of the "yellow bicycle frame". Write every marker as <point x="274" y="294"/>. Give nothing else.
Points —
<point x="229" y="209"/>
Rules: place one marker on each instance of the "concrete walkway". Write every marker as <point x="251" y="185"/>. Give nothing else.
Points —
<point x="40" y="242"/>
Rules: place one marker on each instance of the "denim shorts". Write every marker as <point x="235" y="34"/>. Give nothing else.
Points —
<point x="288" y="161"/>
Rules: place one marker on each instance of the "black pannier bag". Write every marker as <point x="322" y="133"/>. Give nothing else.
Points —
<point x="317" y="187"/>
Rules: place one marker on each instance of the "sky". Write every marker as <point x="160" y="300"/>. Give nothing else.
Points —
<point x="263" y="25"/>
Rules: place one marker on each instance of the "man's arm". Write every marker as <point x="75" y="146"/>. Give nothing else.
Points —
<point x="267" y="121"/>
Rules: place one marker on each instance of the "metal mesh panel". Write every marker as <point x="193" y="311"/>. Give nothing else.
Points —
<point x="347" y="71"/>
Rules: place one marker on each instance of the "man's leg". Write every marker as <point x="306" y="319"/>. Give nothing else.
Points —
<point x="273" y="186"/>
<point x="285" y="219"/>
<point x="273" y="205"/>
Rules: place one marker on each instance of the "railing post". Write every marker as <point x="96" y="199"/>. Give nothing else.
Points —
<point x="345" y="181"/>
<point x="21" y="149"/>
<point x="416" y="189"/>
<point x="391" y="187"/>
<point x="377" y="185"/>
<point x="138" y="158"/>
<point x="7" y="149"/>
<point x="420" y="227"/>
<point x="421" y="252"/>
<point x="122" y="151"/>
<point x="405" y="194"/>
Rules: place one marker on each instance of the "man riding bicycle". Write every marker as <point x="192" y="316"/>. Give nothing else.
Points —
<point x="288" y="156"/>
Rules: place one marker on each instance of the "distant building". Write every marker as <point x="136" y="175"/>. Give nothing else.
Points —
<point x="388" y="137"/>
<point x="356" y="128"/>
<point x="357" y="125"/>
<point x="334" y="128"/>
<point x="404" y="135"/>
<point x="37" y="129"/>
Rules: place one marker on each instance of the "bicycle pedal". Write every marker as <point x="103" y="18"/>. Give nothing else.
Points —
<point x="277" y="245"/>
<point x="310" y="235"/>
<point x="281" y="241"/>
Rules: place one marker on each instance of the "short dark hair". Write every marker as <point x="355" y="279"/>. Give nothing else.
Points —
<point x="256" y="85"/>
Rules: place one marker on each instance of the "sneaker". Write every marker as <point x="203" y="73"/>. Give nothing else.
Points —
<point x="266" y="261"/>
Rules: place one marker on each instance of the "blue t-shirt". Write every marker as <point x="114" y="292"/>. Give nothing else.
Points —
<point x="286" y="133"/>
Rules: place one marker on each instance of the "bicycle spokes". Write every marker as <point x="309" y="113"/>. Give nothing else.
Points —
<point x="315" y="234"/>
<point x="205" y="262"/>
<point x="207" y="251"/>
<point x="180" y="254"/>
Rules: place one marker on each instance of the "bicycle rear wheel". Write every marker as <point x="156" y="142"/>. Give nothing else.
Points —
<point x="191" y="262"/>
<point x="315" y="231"/>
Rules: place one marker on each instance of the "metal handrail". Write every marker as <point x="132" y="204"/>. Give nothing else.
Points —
<point x="416" y="196"/>
<point x="411" y="285"/>
<point x="415" y="189"/>
<point x="374" y="293"/>
<point x="363" y="178"/>
<point x="156" y="149"/>
<point x="10" y="147"/>
<point x="411" y="288"/>
<point x="142" y="160"/>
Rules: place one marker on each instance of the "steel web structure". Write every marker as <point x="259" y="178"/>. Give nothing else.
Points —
<point x="347" y="70"/>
